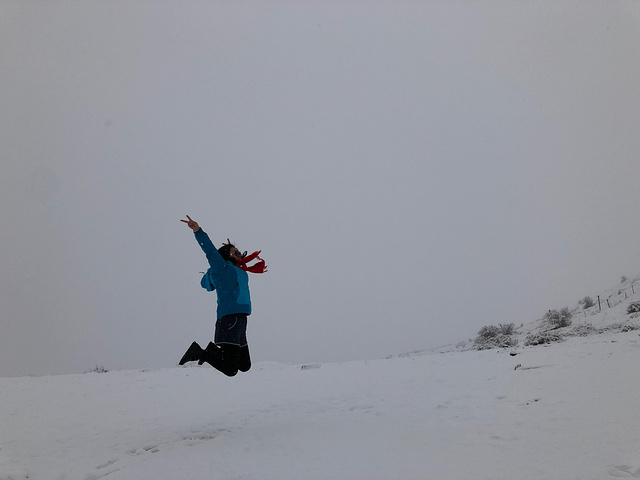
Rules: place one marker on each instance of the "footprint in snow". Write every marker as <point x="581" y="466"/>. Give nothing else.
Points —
<point x="106" y="464"/>
<point x="624" y="471"/>
<point x="104" y="470"/>
<point x="196" y="438"/>
<point x="140" y="451"/>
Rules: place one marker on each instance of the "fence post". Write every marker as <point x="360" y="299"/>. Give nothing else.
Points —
<point x="599" y="306"/>
<point x="608" y="304"/>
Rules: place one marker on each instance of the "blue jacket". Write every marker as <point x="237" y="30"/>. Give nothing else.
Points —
<point x="230" y="282"/>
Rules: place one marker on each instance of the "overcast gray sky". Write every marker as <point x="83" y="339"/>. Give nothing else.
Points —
<point x="411" y="171"/>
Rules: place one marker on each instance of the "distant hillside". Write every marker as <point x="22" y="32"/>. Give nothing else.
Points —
<point x="615" y="309"/>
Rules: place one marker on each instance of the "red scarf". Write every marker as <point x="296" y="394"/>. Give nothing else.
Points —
<point x="259" y="267"/>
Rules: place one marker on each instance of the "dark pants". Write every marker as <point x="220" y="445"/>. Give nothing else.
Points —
<point x="230" y="352"/>
<point x="228" y="358"/>
<point x="231" y="329"/>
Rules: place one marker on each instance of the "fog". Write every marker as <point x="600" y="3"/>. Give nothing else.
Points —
<point x="411" y="171"/>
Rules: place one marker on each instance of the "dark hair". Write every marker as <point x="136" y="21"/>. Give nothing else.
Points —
<point x="225" y="251"/>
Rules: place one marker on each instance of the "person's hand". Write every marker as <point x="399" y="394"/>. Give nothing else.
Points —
<point x="192" y="224"/>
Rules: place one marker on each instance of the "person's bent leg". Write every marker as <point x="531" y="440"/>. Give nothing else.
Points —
<point x="192" y="354"/>
<point x="244" y="359"/>
<point x="222" y="358"/>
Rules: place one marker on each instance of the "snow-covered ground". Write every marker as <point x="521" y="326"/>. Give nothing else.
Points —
<point x="568" y="410"/>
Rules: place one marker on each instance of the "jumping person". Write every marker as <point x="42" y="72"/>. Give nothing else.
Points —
<point x="227" y="275"/>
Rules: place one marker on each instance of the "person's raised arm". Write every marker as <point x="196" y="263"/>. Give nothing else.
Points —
<point x="192" y="224"/>
<point x="213" y="256"/>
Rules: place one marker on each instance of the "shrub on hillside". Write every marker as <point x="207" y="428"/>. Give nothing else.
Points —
<point x="507" y="328"/>
<point x="583" y="330"/>
<point x="629" y="327"/>
<point x="97" y="369"/>
<point x="587" y="302"/>
<point x="542" y="338"/>
<point x="492" y="336"/>
<point x="500" y="341"/>
<point x="633" y="308"/>
<point x="488" y="331"/>
<point x="558" y="319"/>
<point x="624" y="327"/>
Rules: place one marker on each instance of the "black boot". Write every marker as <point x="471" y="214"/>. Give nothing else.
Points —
<point x="193" y="353"/>
<point x="219" y="359"/>
<point x="212" y="349"/>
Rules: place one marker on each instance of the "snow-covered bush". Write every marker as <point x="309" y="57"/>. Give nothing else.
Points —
<point x="634" y="308"/>
<point x="583" y="330"/>
<point x="587" y="302"/>
<point x="558" y="319"/>
<point x="629" y="327"/>
<point x="621" y="327"/>
<point x="500" y="341"/>
<point x="492" y="336"/>
<point x="488" y="331"/>
<point x="507" y="328"/>
<point x="97" y="369"/>
<point x="542" y="338"/>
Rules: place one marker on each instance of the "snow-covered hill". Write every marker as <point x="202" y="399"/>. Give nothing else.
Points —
<point x="608" y="312"/>
<point x="605" y="312"/>
<point x="565" y="410"/>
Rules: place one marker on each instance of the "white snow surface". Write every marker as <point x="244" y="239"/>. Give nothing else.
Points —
<point x="568" y="410"/>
